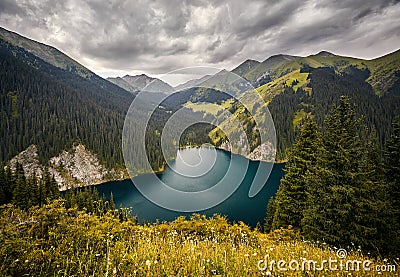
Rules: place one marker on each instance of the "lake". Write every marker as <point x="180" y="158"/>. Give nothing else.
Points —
<point x="199" y="169"/>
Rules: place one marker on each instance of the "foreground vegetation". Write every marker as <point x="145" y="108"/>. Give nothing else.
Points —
<point x="56" y="241"/>
<point x="339" y="186"/>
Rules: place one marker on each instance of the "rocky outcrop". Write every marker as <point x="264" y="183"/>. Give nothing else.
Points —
<point x="265" y="152"/>
<point x="29" y="161"/>
<point x="226" y="145"/>
<point x="79" y="164"/>
<point x="76" y="167"/>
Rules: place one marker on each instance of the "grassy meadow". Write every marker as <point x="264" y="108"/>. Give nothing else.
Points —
<point x="55" y="241"/>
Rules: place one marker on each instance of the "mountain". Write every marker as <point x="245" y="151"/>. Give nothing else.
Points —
<point x="142" y="82"/>
<point x="58" y="109"/>
<point x="265" y="71"/>
<point x="381" y="73"/>
<point x="45" y="52"/>
<point x="192" y="83"/>
<point x="325" y="54"/>
<point x="295" y="87"/>
<point x="123" y="84"/>
<point x="245" y="67"/>
<point x="50" y="101"/>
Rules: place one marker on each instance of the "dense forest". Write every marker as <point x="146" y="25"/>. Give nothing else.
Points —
<point x="339" y="187"/>
<point x="26" y="193"/>
<point x="52" y="108"/>
<point x="55" y="108"/>
<point x="327" y="86"/>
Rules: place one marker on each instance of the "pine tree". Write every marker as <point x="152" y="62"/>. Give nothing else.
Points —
<point x="372" y="207"/>
<point x="32" y="191"/>
<point x="68" y="198"/>
<point x="291" y="197"/>
<point x="270" y="215"/>
<point x="52" y="188"/>
<point x="9" y="184"/>
<point x="341" y="196"/>
<point x="112" y="204"/>
<point x="20" y="190"/>
<point x="392" y="173"/>
<point x="2" y="185"/>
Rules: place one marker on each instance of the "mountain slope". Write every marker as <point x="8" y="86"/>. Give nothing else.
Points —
<point x="47" y="53"/>
<point x="53" y="108"/>
<point x="123" y="84"/>
<point x="245" y="67"/>
<point x="192" y="83"/>
<point x="294" y="87"/>
<point x="382" y="73"/>
<point x="385" y="73"/>
<point x="261" y="73"/>
<point x="149" y="84"/>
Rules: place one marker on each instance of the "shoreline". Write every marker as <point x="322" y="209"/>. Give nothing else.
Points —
<point x="161" y="170"/>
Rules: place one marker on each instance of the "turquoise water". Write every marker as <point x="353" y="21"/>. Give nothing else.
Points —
<point x="205" y="167"/>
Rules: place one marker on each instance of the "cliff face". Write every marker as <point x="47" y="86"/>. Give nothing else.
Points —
<point x="29" y="160"/>
<point x="265" y="152"/>
<point x="77" y="167"/>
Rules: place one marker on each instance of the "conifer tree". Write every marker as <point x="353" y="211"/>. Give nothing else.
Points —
<point x="9" y="184"/>
<point x="341" y="196"/>
<point x="373" y="203"/>
<point x="392" y="173"/>
<point x="50" y="185"/>
<point x="291" y="197"/>
<point x="20" y="190"/>
<point x="32" y="190"/>
<point x="112" y="203"/>
<point x="2" y="185"/>
<point x="270" y="215"/>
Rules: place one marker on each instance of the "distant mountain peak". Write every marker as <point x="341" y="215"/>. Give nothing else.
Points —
<point x="142" y="82"/>
<point x="325" y="54"/>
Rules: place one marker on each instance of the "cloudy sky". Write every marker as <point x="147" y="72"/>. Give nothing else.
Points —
<point x="117" y="37"/>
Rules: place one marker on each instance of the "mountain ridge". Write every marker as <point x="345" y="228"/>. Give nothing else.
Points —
<point x="140" y="82"/>
<point x="46" y="52"/>
<point x="38" y="97"/>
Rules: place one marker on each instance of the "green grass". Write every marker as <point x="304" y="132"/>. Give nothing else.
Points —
<point x="382" y="71"/>
<point x="53" y="241"/>
<point x="298" y="118"/>
<point x="209" y="108"/>
<point x="269" y="90"/>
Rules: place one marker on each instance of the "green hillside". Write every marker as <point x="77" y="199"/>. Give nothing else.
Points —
<point x="385" y="73"/>
<point x="295" y="86"/>
<point x="245" y="67"/>
<point x="47" y="53"/>
<point x="268" y="66"/>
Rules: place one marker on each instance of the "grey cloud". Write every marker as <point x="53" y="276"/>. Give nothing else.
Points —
<point x="10" y="7"/>
<point x="269" y="15"/>
<point x="155" y="36"/>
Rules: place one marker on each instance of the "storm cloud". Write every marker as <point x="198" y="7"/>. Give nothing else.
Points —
<point x="120" y="36"/>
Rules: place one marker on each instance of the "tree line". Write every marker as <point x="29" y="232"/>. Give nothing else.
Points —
<point x="327" y="87"/>
<point x="27" y="192"/>
<point x="339" y="187"/>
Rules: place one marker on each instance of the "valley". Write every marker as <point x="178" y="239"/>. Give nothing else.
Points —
<point x="290" y="155"/>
